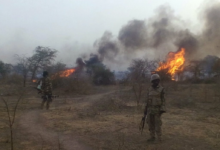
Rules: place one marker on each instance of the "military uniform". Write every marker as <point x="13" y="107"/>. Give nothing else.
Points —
<point x="46" y="89"/>
<point x="154" y="108"/>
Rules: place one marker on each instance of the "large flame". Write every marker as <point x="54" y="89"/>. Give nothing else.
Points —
<point x="66" y="73"/>
<point x="174" y="63"/>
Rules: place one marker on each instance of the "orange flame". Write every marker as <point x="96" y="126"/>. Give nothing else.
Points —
<point x="66" y="73"/>
<point x="34" y="81"/>
<point x="174" y="63"/>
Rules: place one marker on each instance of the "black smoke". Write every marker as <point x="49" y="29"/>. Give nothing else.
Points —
<point x="106" y="46"/>
<point x="187" y="40"/>
<point x="134" y="34"/>
<point x="211" y="33"/>
<point x="162" y="33"/>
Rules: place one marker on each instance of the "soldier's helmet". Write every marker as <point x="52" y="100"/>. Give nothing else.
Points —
<point x="154" y="77"/>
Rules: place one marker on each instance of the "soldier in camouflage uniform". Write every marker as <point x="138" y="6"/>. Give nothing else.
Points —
<point x="155" y="107"/>
<point x="46" y="90"/>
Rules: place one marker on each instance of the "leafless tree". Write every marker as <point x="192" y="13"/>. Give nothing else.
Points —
<point x="11" y="116"/>
<point x="42" y="57"/>
<point x="140" y="70"/>
<point x="23" y="67"/>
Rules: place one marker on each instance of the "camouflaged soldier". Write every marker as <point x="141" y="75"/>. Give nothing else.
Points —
<point x="46" y="90"/>
<point x="155" y="107"/>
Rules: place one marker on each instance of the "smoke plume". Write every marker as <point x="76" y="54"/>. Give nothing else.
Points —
<point x="185" y="39"/>
<point x="133" y="35"/>
<point x="106" y="46"/>
<point x="211" y="33"/>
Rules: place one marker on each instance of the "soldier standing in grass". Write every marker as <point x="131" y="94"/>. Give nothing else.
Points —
<point x="155" y="107"/>
<point x="46" y="90"/>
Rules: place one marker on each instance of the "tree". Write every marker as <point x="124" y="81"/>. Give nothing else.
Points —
<point x="195" y="67"/>
<point x="55" y="68"/>
<point x="42" y="57"/>
<point x="23" y="67"/>
<point x="4" y="68"/>
<point x="102" y="75"/>
<point x="216" y="67"/>
<point x="11" y="115"/>
<point x="140" y="70"/>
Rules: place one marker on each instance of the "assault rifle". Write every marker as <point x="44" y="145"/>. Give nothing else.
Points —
<point x="142" y="123"/>
<point x="40" y="91"/>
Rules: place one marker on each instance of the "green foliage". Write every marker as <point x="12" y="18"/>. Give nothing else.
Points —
<point x="102" y="75"/>
<point x="4" y="68"/>
<point x="55" y="68"/>
<point x="42" y="57"/>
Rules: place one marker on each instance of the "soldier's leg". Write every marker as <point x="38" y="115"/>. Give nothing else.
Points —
<point x="151" y="126"/>
<point x="43" y="101"/>
<point x="49" y="100"/>
<point x="158" y="124"/>
<point x="48" y="104"/>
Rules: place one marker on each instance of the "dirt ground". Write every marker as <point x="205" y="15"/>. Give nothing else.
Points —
<point x="108" y="119"/>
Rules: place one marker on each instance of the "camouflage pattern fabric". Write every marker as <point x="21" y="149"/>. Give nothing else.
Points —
<point x="155" y="107"/>
<point x="46" y="86"/>
<point x="47" y="92"/>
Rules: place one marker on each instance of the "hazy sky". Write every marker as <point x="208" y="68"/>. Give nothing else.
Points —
<point x="71" y="26"/>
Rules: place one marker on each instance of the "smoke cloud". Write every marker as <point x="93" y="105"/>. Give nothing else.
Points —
<point x="106" y="46"/>
<point x="163" y="33"/>
<point x="153" y="38"/>
<point x="211" y="34"/>
<point x="133" y="35"/>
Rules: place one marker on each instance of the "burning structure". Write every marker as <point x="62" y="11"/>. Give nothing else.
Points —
<point x="174" y="63"/>
<point x="156" y="37"/>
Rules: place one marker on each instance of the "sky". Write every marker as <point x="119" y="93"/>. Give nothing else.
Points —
<point x="72" y="26"/>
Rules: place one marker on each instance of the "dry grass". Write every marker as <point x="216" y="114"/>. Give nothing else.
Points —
<point x="109" y="120"/>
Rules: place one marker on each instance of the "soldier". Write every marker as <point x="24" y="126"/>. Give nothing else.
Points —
<point x="155" y="107"/>
<point x="46" y="90"/>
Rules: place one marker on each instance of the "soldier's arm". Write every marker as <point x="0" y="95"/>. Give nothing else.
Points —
<point x="50" y="85"/>
<point x="163" y="102"/>
<point x="43" y="85"/>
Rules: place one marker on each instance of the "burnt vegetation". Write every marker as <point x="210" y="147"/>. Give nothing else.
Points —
<point x="102" y="107"/>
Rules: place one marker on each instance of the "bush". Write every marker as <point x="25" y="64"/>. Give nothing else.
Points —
<point x="102" y="76"/>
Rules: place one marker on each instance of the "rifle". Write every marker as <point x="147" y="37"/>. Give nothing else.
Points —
<point x="40" y="91"/>
<point x="142" y="123"/>
<point x="52" y="96"/>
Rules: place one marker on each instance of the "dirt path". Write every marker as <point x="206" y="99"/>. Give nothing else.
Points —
<point x="33" y="125"/>
<point x="30" y="123"/>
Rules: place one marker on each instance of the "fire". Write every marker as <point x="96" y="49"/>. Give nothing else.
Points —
<point x="34" y="81"/>
<point x="174" y="63"/>
<point x="66" y="73"/>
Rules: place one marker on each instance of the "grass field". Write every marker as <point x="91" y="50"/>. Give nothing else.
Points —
<point x="108" y="119"/>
